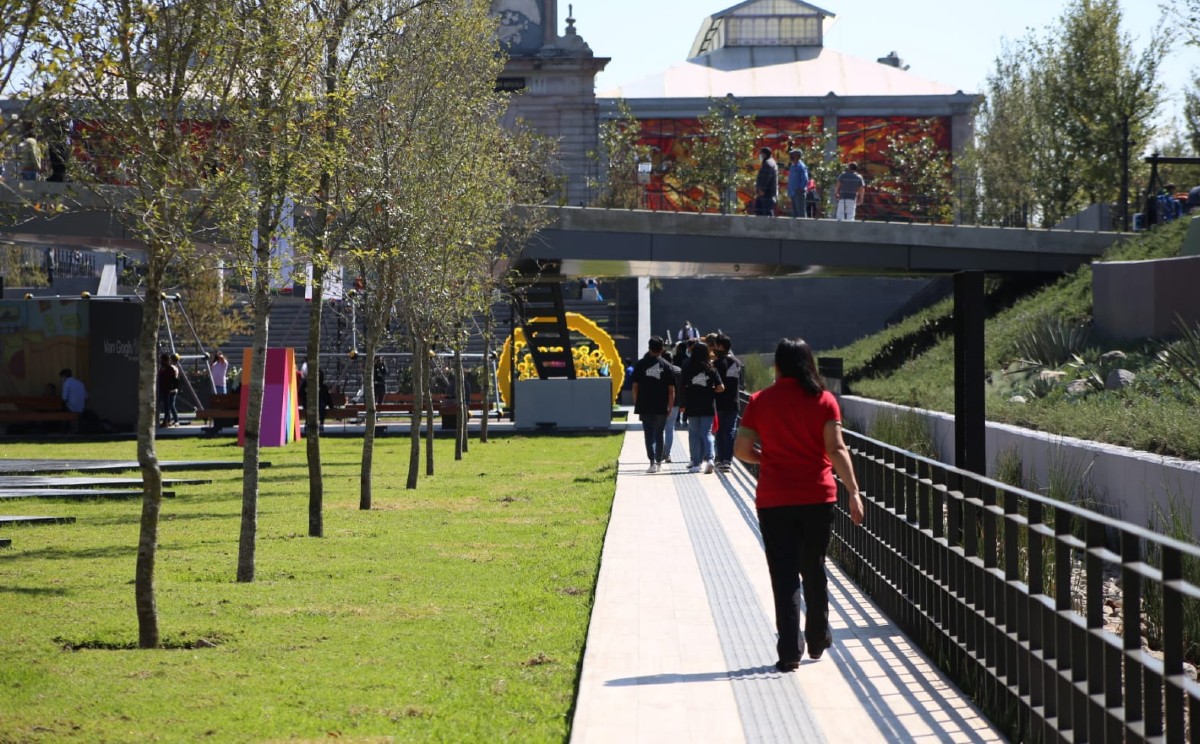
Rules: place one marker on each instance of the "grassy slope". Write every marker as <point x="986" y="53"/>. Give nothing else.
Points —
<point x="457" y="612"/>
<point x="1149" y="422"/>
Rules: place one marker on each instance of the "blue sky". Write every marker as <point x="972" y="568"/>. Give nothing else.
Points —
<point x="955" y="43"/>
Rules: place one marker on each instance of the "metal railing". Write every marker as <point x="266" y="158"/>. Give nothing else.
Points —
<point x="960" y="204"/>
<point x="1008" y="591"/>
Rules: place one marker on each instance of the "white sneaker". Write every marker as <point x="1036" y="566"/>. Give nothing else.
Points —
<point x="708" y="467"/>
<point x="652" y="469"/>
<point x="693" y="468"/>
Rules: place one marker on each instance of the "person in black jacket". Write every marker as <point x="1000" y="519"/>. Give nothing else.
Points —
<point x="701" y="384"/>
<point x="733" y="374"/>
<point x="653" y="399"/>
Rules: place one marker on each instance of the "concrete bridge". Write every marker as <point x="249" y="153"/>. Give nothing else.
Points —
<point x="581" y="241"/>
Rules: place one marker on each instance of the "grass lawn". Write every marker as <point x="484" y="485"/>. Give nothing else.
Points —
<point x="456" y="612"/>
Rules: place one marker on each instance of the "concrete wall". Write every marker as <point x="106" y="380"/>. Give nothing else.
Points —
<point x="1140" y="299"/>
<point x="1129" y="483"/>
<point x="756" y="313"/>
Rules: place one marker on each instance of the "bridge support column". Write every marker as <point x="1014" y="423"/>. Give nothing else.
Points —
<point x="970" y="419"/>
<point x="644" y="329"/>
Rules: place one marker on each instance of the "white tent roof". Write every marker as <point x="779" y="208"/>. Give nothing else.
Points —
<point x="780" y="71"/>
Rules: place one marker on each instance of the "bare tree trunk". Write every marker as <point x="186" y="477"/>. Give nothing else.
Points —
<point x="312" y="404"/>
<point x="460" y="396"/>
<point x="428" y="415"/>
<point x="489" y="329"/>
<point x="368" y="450"/>
<point x="418" y="386"/>
<point x="143" y="583"/>
<point x="254" y="401"/>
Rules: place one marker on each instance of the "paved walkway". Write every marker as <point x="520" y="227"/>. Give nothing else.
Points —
<point x="681" y="646"/>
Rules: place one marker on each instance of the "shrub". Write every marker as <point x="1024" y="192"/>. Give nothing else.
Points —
<point x="1183" y="356"/>
<point x="905" y="429"/>
<point x="1048" y="342"/>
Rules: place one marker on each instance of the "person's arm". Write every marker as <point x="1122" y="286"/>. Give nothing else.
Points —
<point x="746" y="447"/>
<point x="635" y="392"/>
<point x="839" y="455"/>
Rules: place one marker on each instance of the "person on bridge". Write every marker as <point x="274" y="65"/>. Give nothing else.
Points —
<point x="653" y="398"/>
<point x="849" y="188"/>
<point x="766" y="185"/>
<point x="797" y="185"/>
<point x="793" y="431"/>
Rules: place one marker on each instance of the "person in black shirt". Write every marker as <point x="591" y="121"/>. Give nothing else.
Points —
<point x="653" y="399"/>
<point x="728" y="402"/>
<point x="701" y="384"/>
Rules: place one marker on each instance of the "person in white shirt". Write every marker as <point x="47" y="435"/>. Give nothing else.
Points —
<point x="219" y="368"/>
<point x="74" y="394"/>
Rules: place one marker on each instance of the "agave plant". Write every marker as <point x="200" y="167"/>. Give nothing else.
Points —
<point x="1183" y="356"/>
<point x="1050" y="341"/>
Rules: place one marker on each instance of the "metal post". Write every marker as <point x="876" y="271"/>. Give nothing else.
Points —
<point x="969" y="415"/>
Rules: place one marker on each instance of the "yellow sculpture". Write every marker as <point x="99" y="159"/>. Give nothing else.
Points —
<point x="589" y="362"/>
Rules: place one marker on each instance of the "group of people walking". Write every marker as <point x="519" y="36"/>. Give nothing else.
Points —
<point x="793" y="431"/>
<point x="802" y="188"/>
<point x="699" y="381"/>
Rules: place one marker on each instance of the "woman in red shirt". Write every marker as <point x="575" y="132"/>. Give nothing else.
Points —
<point x="792" y="429"/>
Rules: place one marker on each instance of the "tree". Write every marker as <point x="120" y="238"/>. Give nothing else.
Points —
<point x="622" y="154"/>
<point x="23" y="30"/>
<point x="428" y="210"/>
<point x="919" y="176"/>
<point x="275" y="124"/>
<point x="1065" y="116"/>
<point x="1191" y="112"/>
<point x="721" y="160"/>
<point x="157" y="83"/>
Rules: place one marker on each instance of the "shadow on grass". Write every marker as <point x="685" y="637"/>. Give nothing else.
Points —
<point x="34" y="591"/>
<point x="60" y="554"/>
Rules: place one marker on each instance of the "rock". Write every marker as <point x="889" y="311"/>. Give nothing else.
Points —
<point x="205" y="643"/>
<point x="1112" y="357"/>
<point x="1017" y="399"/>
<point x="1052" y="375"/>
<point x="1119" y="378"/>
<point x="1078" y="387"/>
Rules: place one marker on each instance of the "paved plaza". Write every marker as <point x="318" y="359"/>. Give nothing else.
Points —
<point x="682" y="643"/>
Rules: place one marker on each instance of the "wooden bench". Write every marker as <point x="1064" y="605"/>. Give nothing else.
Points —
<point x="224" y="409"/>
<point x="34" y="409"/>
<point x="31" y="402"/>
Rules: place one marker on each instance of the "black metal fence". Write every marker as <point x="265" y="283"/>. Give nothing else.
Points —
<point x="1039" y="609"/>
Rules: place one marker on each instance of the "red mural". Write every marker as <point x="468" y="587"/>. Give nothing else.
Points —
<point x="860" y="139"/>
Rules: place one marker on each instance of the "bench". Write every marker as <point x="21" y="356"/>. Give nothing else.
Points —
<point x="34" y="409"/>
<point x="224" y="409"/>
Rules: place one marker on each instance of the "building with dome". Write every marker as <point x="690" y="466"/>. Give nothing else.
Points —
<point x="769" y="57"/>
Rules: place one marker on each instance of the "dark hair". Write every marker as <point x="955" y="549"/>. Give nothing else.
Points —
<point x="794" y="359"/>
<point x="764" y="151"/>
<point x="853" y="166"/>
<point x="656" y="343"/>
<point x="700" y="356"/>
<point x="65" y="372"/>
<point x="724" y="342"/>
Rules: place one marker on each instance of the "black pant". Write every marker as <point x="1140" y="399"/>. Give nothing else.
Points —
<point x="795" y="539"/>
<point x="654" y="428"/>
